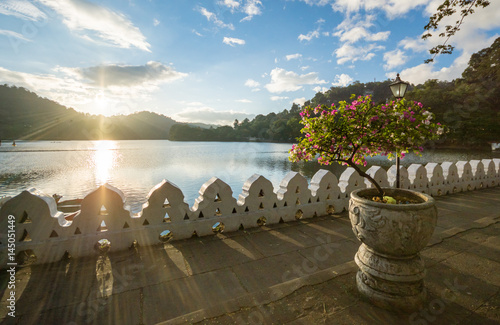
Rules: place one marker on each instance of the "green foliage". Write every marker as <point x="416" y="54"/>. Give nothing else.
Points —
<point x="350" y="132"/>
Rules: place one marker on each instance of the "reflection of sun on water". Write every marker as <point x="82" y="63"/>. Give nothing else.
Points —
<point x="104" y="160"/>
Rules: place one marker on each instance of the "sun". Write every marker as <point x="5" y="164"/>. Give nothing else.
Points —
<point x="101" y="102"/>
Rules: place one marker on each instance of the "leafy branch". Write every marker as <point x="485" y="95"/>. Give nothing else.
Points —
<point x="448" y="8"/>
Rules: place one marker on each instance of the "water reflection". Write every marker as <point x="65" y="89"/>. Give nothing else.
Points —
<point x="104" y="160"/>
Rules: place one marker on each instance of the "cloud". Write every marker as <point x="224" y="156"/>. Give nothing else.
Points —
<point x="230" y="4"/>
<point x="95" y="21"/>
<point x="126" y="75"/>
<point x="210" y="116"/>
<point x="11" y="34"/>
<point x="282" y="80"/>
<point x="124" y="88"/>
<point x="320" y="89"/>
<point x="232" y="41"/>
<point x="304" y="68"/>
<point x="197" y="33"/>
<point x="356" y="28"/>
<point x="309" y="36"/>
<point x="246" y="101"/>
<point x="276" y="98"/>
<point x="156" y="22"/>
<point x="342" y="80"/>
<point x="67" y="91"/>
<point x="252" y="83"/>
<point x="300" y="101"/>
<point x="392" y="8"/>
<point x="394" y="59"/>
<point x="213" y="18"/>
<point x="21" y="9"/>
<point x="252" y="8"/>
<point x="293" y="56"/>
<point x="348" y="52"/>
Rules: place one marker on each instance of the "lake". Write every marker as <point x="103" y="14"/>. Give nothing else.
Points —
<point x="75" y="168"/>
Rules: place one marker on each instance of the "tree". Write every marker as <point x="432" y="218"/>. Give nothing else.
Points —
<point x="448" y="8"/>
<point x="349" y="133"/>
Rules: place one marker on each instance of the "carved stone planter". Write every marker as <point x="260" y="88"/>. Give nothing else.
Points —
<point x="391" y="271"/>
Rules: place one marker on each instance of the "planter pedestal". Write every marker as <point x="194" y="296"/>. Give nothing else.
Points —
<point x="391" y="271"/>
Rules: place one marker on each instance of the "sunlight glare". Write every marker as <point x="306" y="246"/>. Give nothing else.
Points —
<point x="104" y="160"/>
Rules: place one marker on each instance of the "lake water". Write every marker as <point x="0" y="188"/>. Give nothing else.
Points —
<point x="75" y="168"/>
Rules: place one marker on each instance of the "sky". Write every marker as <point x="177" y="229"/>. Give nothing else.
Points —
<point x="220" y="60"/>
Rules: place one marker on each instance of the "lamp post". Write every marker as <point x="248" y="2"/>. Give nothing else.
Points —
<point x="398" y="88"/>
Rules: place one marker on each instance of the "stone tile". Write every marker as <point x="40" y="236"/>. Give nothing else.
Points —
<point x="462" y="220"/>
<point x="488" y="313"/>
<point x="54" y="285"/>
<point x="480" y="268"/>
<point x="453" y="285"/>
<point x="329" y="254"/>
<point x="261" y="274"/>
<point x="489" y="249"/>
<point x="279" y="241"/>
<point x="124" y="308"/>
<point x="334" y="229"/>
<point x="219" y="254"/>
<point x="178" y="297"/>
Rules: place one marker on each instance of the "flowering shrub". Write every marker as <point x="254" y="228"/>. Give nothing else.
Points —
<point x="350" y="132"/>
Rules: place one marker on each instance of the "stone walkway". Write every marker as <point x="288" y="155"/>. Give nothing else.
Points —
<point x="298" y="273"/>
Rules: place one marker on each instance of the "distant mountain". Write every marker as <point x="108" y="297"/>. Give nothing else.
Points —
<point x="25" y="115"/>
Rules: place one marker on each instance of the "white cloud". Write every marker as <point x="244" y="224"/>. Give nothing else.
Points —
<point x="252" y="8"/>
<point x="293" y="56"/>
<point x="67" y="91"/>
<point x="99" y="22"/>
<point x="320" y="89"/>
<point x="355" y="28"/>
<point x="21" y="9"/>
<point x="317" y="2"/>
<point x="230" y="4"/>
<point x="156" y="22"/>
<point x="197" y="33"/>
<point x="309" y="36"/>
<point x="342" y="80"/>
<point x="276" y="98"/>
<point x="125" y="75"/>
<point x="252" y="83"/>
<point x="210" y="116"/>
<point x="304" y="68"/>
<point x="355" y="34"/>
<point x="348" y="52"/>
<point x="300" y="101"/>
<point x="392" y="8"/>
<point x="244" y="100"/>
<point x="124" y="88"/>
<point x="232" y="41"/>
<point x="282" y="80"/>
<point x="11" y="34"/>
<point x="213" y="18"/>
<point x="394" y="59"/>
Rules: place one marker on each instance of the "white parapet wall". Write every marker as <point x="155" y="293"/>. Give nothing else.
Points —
<point x="42" y="231"/>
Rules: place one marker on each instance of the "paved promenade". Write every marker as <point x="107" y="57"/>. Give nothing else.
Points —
<point x="296" y="273"/>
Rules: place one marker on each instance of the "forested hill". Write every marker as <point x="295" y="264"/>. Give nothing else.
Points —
<point x="469" y="106"/>
<point x="25" y="115"/>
